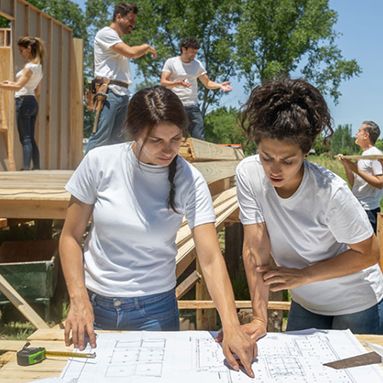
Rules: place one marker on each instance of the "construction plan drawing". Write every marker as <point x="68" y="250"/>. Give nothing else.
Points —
<point x="195" y="357"/>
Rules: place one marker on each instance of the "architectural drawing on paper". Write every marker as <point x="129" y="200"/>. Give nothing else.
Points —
<point x="142" y="357"/>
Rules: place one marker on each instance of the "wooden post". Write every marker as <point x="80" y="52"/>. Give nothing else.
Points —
<point x="379" y="234"/>
<point x="206" y="319"/>
<point x="7" y="102"/>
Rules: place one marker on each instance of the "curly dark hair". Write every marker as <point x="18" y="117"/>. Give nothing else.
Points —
<point x="292" y="110"/>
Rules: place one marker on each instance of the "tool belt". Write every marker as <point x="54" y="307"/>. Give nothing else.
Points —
<point x="99" y="87"/>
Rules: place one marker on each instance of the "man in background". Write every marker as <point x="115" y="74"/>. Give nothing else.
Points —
<point x="111" y="62"/>
<point x="180" y="74"/>
<point x="366" y="176"/>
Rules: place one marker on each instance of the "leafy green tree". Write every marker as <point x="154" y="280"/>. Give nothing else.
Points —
<point x="342" y="141"/>
<point x="276" y="38"/>
<point x="164" y="23"/>
<point x="222" y="126"/>
<point x="379" y="144"/>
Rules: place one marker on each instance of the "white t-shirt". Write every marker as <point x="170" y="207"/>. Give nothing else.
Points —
<point x="367" y="195"/>
<point x="180" y="71"/>
<point x="29" y="88"/>
<point x="108" y="63"/>
<point x="314" y="224"/>
<point x="130" y="250"/>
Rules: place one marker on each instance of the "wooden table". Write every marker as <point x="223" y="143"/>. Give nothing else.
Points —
<point x="53" y="339"/>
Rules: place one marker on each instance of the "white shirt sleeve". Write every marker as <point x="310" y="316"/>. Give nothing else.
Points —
<point x="199" y="205"/>
<point x="376" y="168"/>
<point x="201" y="69"/>
<point x="167" y="66"/>
<point x="107" y="38"/>
<point x="250" y="211"/>
<point x="347" y="219"/>
<point x="82" y="184"/>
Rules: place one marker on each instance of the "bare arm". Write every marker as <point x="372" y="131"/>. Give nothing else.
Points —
<point x="135" y="51"/>
<point x="349" y="173"/>
<point x="256" y="253"/>
<point x="17" y="85"/>
<point x="209" y="84"/>
<point x="79" y="322"/>
<point x="359" y="256"/>
<point x="218" y="283"/>
<point x="165" y="81"/>
<point x="352" y="167"/>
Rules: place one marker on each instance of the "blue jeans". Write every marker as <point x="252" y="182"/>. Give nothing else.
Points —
<point x="111" y="122"/>
<point x="369" y="321"/>
<point x="196" y="126"/>
<point x="373" y="217"/>
<point x="26" y="113"/>
<point x="156" y="312"/>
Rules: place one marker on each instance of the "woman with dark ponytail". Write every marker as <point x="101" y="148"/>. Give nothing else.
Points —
<point x="305" y="218"/>
<point x="138" y="193"/>
<point x="26" y="88"/>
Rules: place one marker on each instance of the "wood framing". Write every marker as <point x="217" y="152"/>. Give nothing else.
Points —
<point x="59" y="126"/>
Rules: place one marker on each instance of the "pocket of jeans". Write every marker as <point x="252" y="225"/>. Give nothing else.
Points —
<point x="105" y="315"/>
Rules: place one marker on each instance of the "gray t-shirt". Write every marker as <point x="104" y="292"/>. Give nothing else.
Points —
<point x="314" y="224"/>
<point x="367" y="195"/>
<point x="130" y="250"/>
<point x="180" y="71"/>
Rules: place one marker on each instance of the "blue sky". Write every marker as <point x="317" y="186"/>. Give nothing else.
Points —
<point x="360" y="26"/>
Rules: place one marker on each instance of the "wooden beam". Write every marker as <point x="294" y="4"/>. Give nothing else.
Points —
<point x="199" y="150"/>
<point x="216" y="170"/>
<point x="18" y="301"/>
<point x="187" y="284"/>
<point x="202" y="305"/>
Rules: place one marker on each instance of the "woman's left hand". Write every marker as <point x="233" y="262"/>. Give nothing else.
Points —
<point x="282" y="278"/>
<point x="239" y="349"/>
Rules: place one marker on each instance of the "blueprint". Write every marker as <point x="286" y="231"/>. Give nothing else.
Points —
<point x="195" y="357"/>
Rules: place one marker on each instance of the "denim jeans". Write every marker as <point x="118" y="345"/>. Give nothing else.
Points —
<point x="369" y="321"/>
<point x="373" y="217"/>
<point x="26" y="113"/>
<point x="196" y="126"/>
<point x="156" y="312"/>
<point x="111" y="122"/>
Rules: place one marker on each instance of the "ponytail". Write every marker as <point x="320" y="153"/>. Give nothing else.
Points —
<point x="172" y="189"/>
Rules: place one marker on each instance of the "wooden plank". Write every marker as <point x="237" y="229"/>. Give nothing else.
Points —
<point x="216" y="170"/>
<point x="199" y="150"/>
<point x="356" y="157"/>
<point x="187" y="284"/>
<point x="3" y="223"/>
<point x="19" y="302"/>
<point x="205" y="304"/>
<point x="186" y="254"/>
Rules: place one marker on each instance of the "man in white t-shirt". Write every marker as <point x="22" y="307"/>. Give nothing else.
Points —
<point x="111" y="61"/>
<point x="180" y="74"/>
<point x="366" y="176"/>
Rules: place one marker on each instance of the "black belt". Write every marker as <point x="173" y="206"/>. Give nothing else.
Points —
<point x="100" y="80"/>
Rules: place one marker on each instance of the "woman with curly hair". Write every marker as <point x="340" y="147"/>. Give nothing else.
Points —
<point x="305" y="218"/>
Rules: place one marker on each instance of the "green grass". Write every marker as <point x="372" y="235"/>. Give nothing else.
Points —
<point x="329" y="163"/>
<point x="16" y="330"/>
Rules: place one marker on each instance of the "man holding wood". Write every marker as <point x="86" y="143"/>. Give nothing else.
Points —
<point x="366" y="175"/>
<point x="112" y="75"/>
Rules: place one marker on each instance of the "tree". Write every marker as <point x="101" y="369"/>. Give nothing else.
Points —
<point x="276" y="38"/>
<point x="66" y="11"/>
<point x="342" y="141"/>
